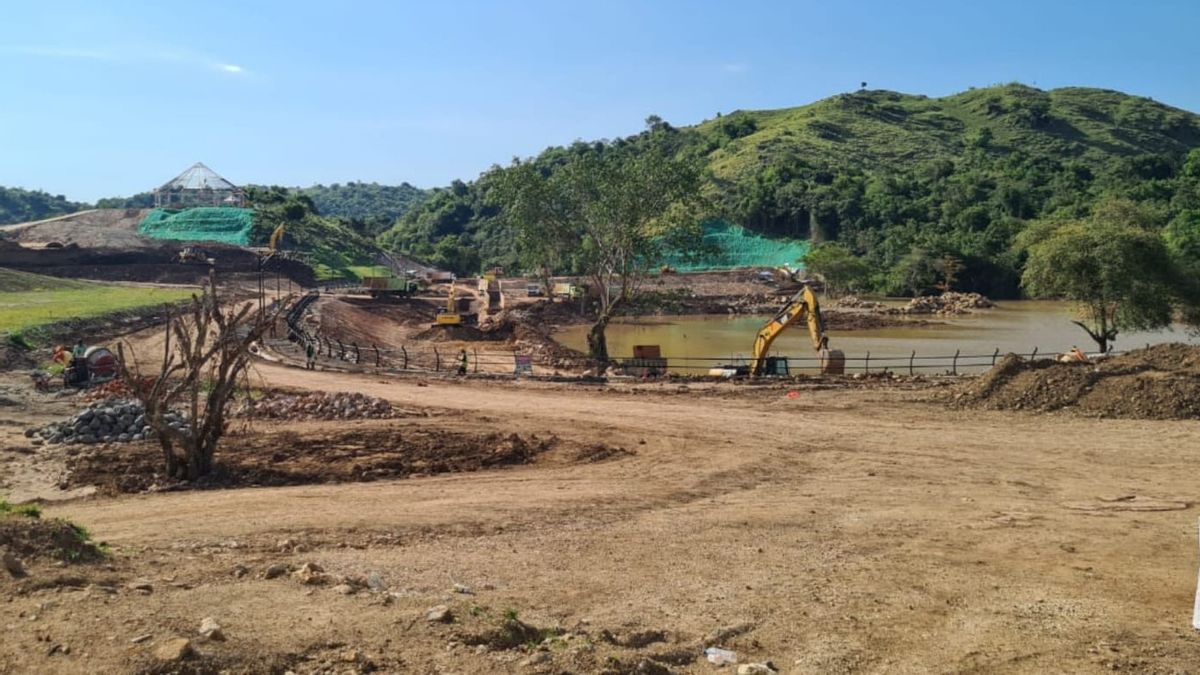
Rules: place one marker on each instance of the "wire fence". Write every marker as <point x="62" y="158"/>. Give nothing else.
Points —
<point x="435" y="359"/>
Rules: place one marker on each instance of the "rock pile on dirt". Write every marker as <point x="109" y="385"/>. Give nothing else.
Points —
<point x="317" y="406"/>
<point x="1161" y="382"/>
<point x="110" y="421"/>
<point x="855" y="302"/>
<point x="946" y="304"/>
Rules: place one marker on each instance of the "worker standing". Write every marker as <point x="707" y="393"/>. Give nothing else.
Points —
<point x="79" y="350"/>
<point x="462" y="362"/>
<point x="310" y="355"/>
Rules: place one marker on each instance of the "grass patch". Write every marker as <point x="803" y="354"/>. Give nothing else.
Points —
<point x="26" y="510"/>
<point x="31" y="300"/>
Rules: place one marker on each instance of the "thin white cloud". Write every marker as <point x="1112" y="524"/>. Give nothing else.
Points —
<point x="183" y="58"/>
<point x="734" y="68"/>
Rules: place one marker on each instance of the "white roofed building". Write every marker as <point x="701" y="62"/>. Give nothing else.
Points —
<point x="198" y="186"/>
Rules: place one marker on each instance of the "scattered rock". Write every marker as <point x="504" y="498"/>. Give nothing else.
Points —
<point x="375" y="583"/>
<point x="240" y="571"/>
<point x="343" y="589"/>
<point x="538" y="658"/>
<point x="141" y="586"/>
<point x="757" y="669"/>
<point x="275" y="571"/>
<point x="174" y="650"/>
<point x="317" y="405"/>
<point x="211" y="630"/>
<point x="311" y="574"/>
<point x="463" y="590"/>
<point x="439" y="614"/>
<point x="141" y="638"/>
<point x="12" y="564"/>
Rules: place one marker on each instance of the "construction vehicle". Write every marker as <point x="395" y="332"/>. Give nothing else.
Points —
<point x="98" y="364"/>
<point x="567" y="291"/>
<point x="803" y="305"/>
<point x="194" y="255"/>
<point x="389" y="286"/>
<point x="450" y="315"/>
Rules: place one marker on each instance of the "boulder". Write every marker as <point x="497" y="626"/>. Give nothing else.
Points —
<point x="174" y="650"/>
<point x="211" y="630"/>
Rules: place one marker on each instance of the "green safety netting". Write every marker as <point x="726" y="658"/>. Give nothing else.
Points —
<point x="227" y="225"/>
<point x="734" y="247"/>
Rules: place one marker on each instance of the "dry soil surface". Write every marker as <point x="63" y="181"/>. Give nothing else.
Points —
<point x="833" y="530"/>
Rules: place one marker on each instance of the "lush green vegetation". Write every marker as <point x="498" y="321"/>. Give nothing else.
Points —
<point x="335" y="246"/>
<point x="142" y="200"/>
<point x="904" y="182"/>
<point x="613" y="212"/>
<point x="1116" y="267"/>
<point x="375" y="206"/>
<point x="30" y="300"/>
<point x="19" y="206"/>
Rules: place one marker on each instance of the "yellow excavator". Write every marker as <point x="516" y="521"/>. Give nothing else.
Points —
<point x="450" y="315"/>
<point x="803" y="305"/>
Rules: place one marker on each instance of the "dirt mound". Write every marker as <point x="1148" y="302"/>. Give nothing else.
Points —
<point x="32" y="538"/>
<point x="1161" y="382"/>
<point x="288" y="458"/>
<point x="458" y="334"/>
<point x="946" y="304"/>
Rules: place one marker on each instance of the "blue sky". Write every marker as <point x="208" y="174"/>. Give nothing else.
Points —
<point x="112" y="98"/>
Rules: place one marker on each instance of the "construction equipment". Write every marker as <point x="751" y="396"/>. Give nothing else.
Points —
<point x="803" y="305"/>
<point x="450" y="315"/>
<point x="194" y="255"/>
<point x="97" y="365"/>
<point x="389" y="286"/>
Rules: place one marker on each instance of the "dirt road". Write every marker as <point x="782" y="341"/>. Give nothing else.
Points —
<point x="836" y="531"/>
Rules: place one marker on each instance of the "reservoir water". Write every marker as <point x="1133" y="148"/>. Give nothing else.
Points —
<point x="696" y="343"/>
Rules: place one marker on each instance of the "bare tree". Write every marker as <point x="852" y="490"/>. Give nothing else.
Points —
<point x="206" y="354"/>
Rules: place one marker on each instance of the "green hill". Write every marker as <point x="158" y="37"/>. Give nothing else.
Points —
<point x="892" y="176"/>
<point x="21" y="206"/>
<point x="376" y="205"/>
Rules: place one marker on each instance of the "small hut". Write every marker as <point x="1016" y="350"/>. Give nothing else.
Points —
<point x="198" y="186"/>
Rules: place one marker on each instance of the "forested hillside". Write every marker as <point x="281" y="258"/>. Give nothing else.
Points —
<point x="19" y="206"/>
<point x="376" y="205"/>
<point x="898" y="179"/>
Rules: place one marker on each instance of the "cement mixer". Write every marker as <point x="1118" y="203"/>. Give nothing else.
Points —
<point x="98" y="364"/>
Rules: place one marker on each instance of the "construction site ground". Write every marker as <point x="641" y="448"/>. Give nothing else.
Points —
<point x="850" y="526"/>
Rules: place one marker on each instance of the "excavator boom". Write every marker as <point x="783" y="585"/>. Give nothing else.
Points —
<point x="802" y="305"/>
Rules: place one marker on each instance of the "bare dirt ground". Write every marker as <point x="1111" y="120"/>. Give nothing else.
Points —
<point x="839" y="529"/>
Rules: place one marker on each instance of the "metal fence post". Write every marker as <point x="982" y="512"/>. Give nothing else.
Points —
<point x="910" y="361"/>
<point x="377" y="361"/>
<point x="437" y="360"/>
<point x="1034" y="354"/>
<point x="476" y="351"/>
<point x="341" y="350"/>
<point x="404" y="352"/>
<point x="357" y="354"/>
<point x="867" y="363"/>
<point x="994" y="355"/>
<point x="954" y="367"/>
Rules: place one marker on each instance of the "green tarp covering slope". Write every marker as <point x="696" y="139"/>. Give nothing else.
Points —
<point x="736" y="248"/>
<point x="222" y="224"/>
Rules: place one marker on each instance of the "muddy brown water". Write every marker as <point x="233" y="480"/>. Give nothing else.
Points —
<point x="696" y="343"/>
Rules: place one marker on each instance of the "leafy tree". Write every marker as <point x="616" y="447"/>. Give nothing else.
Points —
<point x="916" y="272"/>
<point x="1120" y="276"/>
<point x="838" y="267"/>
<point x="19" y="206"/>
<point x="622" y="210"/>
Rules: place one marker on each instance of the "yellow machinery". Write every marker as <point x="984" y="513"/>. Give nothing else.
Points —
<point x="450" y="315"/>
<point x="802" y="305"/>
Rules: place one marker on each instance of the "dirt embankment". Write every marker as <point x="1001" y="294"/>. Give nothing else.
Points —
<point x="1161" y="382"/>
<point x="335" y="455"/>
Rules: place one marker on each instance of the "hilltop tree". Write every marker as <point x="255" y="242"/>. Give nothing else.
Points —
<point x="613" y="212"/>
<point x="1118" y="272"/>
<point x="840" y="269"/>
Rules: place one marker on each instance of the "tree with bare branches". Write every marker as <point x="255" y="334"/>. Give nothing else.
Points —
<point x="206" y="355"/>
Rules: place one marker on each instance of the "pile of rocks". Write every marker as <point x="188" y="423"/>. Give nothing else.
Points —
<point x="111" y="421"/>
<point x="318" y="405"/>
<point x="855" y="302"/>
<point x="946" y="304"/>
